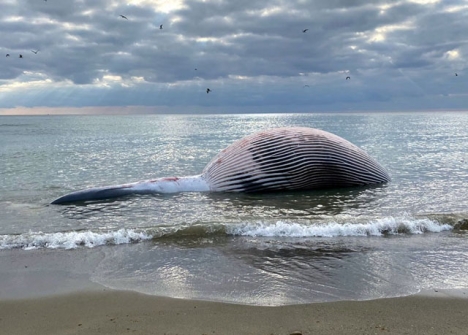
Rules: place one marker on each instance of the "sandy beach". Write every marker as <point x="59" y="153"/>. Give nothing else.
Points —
<point x="121" y="312"/>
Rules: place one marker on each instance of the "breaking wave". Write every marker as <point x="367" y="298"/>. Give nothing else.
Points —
<point x="386" y="226"/>
<point x="280" y="229"/>
<point x="71" y="240"/>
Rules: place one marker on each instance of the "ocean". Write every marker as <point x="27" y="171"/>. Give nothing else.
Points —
<point x="257" y="249"/>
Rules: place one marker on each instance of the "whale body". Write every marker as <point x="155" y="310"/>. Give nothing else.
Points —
<point x="279" y="159"/>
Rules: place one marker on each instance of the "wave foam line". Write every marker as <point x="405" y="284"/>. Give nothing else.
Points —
<point x="384" y="226"/>
<point x="90" y="239"/>
<point x="71" y="240"/>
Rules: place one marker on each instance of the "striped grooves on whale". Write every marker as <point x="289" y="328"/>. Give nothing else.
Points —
<point x="279" y="159"/>
<point x="292" y="159"/>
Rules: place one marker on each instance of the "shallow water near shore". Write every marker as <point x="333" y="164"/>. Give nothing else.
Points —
<point x="258" y="249"/>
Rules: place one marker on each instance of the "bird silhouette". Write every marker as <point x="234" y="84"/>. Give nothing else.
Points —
<point x="208" y="90"/>
<point x="305" y="30"/>
<point x="35" y="51"/>
<point x="348" y="78"/>
<point x="123" y="17"/>
<point x="306" y="86"/>
<point x="456" y="74"/>
<point x="20" y="56"/>
<point x="7" y="55"/>
<point x="160" y="26"/>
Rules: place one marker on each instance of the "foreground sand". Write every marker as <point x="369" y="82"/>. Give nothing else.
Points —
<point x="118" y="312"/>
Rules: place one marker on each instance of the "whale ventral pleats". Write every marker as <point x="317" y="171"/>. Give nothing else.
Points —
<point x="292" y="158"/>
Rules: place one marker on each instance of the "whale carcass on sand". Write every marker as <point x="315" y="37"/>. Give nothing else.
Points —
<point x="279" y="159"/>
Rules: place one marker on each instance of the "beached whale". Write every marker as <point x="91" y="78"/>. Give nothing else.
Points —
<point x="279" y="159"/>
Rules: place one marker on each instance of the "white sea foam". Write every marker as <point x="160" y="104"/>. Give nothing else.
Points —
<point x="71" y="240"/>
<point x="90" y="239"/>
<point x="379" y="227"/>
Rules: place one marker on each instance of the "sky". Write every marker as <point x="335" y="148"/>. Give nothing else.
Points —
<point x="408" y="55"/>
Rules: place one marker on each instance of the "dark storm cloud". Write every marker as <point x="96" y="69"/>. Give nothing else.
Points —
<point x="248" y="52"/>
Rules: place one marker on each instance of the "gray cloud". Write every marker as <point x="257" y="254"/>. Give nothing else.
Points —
<point x="250" y="53"/>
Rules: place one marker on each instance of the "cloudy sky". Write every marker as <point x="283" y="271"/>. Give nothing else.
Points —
<point x="253" y="55"/>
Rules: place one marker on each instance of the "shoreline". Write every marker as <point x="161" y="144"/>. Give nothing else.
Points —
<point x="109" y="311"/>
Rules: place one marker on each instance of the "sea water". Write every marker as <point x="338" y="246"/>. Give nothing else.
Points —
<point x="261" y="249"/>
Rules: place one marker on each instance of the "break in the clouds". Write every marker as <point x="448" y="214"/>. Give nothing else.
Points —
<point x="253" y="55"/>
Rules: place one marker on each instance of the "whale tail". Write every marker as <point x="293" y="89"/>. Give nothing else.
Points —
<point x="160" y="185"/>
<point x="96" y="193"/>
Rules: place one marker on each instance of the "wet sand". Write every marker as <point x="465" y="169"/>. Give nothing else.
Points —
<point x="122" y="312"/>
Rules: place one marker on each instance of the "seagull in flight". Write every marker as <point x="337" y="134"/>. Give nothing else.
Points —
<point x="123" y="17"/>
<point x="305" y="30"/>
<point x="348" y="77"/>
<point x="160" y="26"/>
<point x="208" y="90"/>
<point x="35" y="51"/>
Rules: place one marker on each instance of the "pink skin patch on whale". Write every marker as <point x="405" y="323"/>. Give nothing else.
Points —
<point x="165" y="179"/>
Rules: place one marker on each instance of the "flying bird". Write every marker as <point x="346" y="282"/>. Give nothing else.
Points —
<point x="348" y="78"/>
<point x="305" y="30"/>
<point x="160" y="26"/>
<point x="306" y="85"/>
<point x="208" y="90"/>
<point x="456" y="74"/>
<point x="7" y="55"/>
<point x="35" y="51"/>
<point x="20" y="56"/>
<point x="123" y="17"/>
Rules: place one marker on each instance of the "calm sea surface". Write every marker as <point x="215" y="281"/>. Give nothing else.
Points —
<point x="264" y="249"/>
